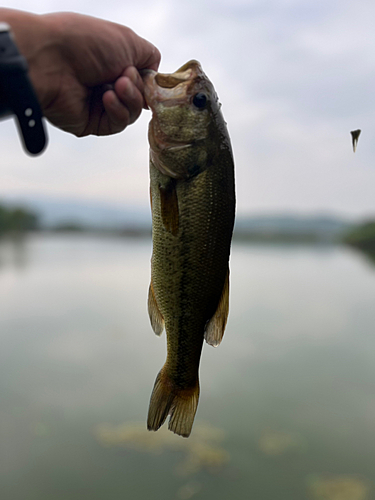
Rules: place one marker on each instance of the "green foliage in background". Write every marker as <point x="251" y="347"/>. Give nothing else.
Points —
<point x="362" y="237"/>
<point x="17" y="220"/>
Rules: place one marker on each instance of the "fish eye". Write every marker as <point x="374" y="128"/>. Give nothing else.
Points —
<point x="200" y="100"/>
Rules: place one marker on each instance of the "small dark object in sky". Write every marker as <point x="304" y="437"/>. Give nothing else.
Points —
<point x="355" y="136"/>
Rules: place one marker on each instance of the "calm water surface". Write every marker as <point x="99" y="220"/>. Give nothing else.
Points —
<point x="287" y="406"/>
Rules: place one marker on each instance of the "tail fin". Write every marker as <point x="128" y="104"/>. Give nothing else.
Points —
<point x="167" y="398"/>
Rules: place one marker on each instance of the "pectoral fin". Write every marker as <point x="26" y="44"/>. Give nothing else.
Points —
<point x="216" y="326"/>
<point x="156" y="318"/>
<point x="169" y="207"/>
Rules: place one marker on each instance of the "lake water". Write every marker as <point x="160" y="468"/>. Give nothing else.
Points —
<point x="287" y="405"/>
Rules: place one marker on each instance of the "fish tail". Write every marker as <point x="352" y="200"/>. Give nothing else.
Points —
<point x="169" y="399"/>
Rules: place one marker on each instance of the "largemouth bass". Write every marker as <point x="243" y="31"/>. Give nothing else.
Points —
<point x="193" y="208"/>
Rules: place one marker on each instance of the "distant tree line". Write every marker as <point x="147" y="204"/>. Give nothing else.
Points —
<point x="17" y="220"/>
<point x="363" y="237"/>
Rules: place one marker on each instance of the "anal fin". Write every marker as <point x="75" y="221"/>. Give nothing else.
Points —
<point x="215" y="327"/>
<point x="156" y="318"/>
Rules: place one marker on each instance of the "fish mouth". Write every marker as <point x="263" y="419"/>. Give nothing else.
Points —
<point x="170" y="81"/>
<point x="170" y="88"/>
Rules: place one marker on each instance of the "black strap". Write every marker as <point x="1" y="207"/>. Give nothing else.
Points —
<point x="17" y="95"/>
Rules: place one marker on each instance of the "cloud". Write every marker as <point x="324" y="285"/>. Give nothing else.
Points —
<point x="294" y="79"/>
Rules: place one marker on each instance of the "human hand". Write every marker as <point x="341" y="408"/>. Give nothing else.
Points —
<point x="84" y="70"/>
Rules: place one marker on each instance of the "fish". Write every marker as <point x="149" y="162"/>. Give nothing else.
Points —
<point x="192" y="195"/>
<point x="355" y="137"/>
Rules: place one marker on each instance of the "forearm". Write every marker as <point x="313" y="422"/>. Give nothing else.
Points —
<point x="27" y="28"/>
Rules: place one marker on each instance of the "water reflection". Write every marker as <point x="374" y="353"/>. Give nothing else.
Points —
<point x="13" y="251"/>
<point x="276" y="442"/>
<point x="339" y="488"/>
<point x="289" y="394"/>
<point x="369" y="256"/>
<point x="202" y="451"/>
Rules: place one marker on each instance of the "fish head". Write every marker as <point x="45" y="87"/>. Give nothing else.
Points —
<point x="185" y="118"/>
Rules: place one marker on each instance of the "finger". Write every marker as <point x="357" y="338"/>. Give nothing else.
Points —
<point x="133" y="74"/>
<point x="153" y="61"/>
<point x="130" y="96"/>
<point x="145" y="54"/>
<point x="117" y="113"/>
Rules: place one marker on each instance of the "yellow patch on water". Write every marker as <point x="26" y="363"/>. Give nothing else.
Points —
<point x="203" y="449"/>
<point x="276" y="442"/>
<point x="188" y="490"/>
<point x="340" y="487"/>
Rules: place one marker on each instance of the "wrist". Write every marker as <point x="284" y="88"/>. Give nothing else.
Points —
<point x="38" y="41"/>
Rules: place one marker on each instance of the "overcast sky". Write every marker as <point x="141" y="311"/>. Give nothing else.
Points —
<point x="294" y="78"/>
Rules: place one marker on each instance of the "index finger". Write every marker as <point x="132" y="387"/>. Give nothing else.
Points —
<point x="145" y="54"/>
